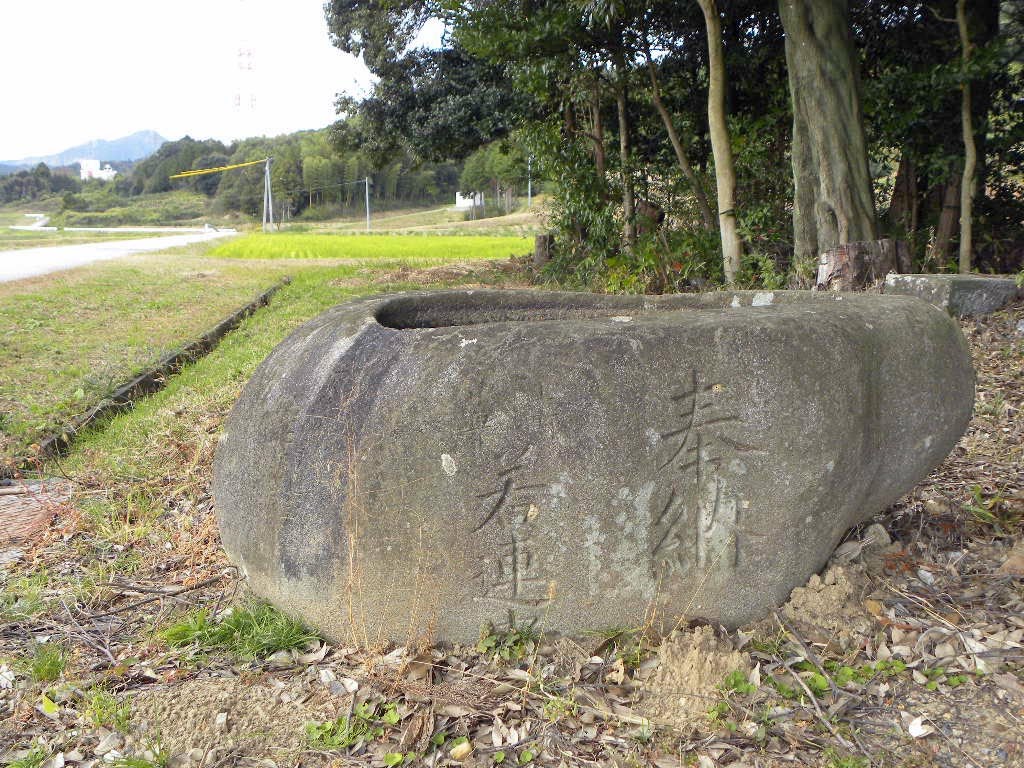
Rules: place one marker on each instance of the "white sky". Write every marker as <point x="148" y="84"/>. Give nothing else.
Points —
<point x="78" y="70"/>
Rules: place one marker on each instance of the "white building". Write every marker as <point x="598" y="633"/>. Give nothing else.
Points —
<point x="469" y="201"/>
<point x="91" y="170"/>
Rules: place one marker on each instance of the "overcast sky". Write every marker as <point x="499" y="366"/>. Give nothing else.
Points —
<point x="76" y="71"/>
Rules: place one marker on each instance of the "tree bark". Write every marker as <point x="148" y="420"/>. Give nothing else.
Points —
<point x="834" y="202"/>
<point x="542" y="247"/>
<point x="707" y="216"/>
<point x="859" y="265"/>
<point x="903" y="207"/>
<point x="721" y="148"/>
<point x="625" y="155"/>
<point x="939" y="253"/>
<point x="970" y="151"/>
<point x="598" y="136"/>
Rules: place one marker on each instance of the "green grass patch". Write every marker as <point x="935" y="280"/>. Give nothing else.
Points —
<point x="68" y="339"/>
<point x="104" y="710"/>
<point x="21" y="597"/>
<point x="48" y="662"/>
<point x="414" y="248"/>
<point x="101" y="209"/>
<point x="246" y="632"/>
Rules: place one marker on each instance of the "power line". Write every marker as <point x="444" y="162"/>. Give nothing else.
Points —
<point x="205" y="171"/>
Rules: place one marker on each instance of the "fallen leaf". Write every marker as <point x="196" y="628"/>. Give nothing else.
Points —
<point x="460" y="751"/>
<point x="1014" y="563"/>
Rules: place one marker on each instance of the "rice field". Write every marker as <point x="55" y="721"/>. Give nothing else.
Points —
<point x="287" y="245"/>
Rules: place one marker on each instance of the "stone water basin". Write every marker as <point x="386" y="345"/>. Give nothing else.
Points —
<point x="415" y="465"/>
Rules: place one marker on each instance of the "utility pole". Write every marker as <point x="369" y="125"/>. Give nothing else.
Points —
<point x="529" y="181"/>
<point x="268" y="199"/>
<point x="366" y="183"/>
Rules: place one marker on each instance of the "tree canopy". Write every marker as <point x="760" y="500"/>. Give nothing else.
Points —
<point x="611" y="101"/>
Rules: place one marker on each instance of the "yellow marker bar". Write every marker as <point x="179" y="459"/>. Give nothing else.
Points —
<point x="204" y="171"/>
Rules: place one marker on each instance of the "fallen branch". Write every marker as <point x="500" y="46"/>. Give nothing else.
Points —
<point x="174" y="593"/>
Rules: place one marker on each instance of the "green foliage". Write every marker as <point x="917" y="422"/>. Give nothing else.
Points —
<point x="367" y="723"/>
<point x="837" y="759"/>
<point x="510" y="645"/>
<point x="559" y="707"/>
<point x="758" y="270"/>
<point x="38" y="183"/>
<point x="737" y="682"/>
<point x="250" y="632"/>
<point x="100" y="208"/>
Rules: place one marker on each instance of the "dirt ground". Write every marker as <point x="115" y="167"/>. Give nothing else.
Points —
<point x="906" y="651"/>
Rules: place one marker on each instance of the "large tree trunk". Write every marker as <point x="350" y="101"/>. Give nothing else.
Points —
<point x="721" y="147"/>
<point x="707" y="216"/>
<point x="834" y="203"/>
<point x="625" y="155"/>
<point x="970" y="151"/>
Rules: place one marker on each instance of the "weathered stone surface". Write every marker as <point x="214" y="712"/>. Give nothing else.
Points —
<point x="414" y="464"/>
<point x="959" y="295"/>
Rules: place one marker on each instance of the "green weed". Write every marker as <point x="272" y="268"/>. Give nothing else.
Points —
<point x="48" y="662"/>
<point x="559" y="707"/>
<point x="37" y="755"/>
<point x="367" y="723"/>
<point x="249" y="632"/>
<point x="737" y="682"/>
<point x="22" y="598"/>
<point x="839" y="760"/>
<point x="103" y="709"/>
<point x="513" y="644"/>
<point x="994" y="512"/>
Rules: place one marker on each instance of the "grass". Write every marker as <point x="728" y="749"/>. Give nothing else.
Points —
<point x="247" y="632"/>
<point x="104" y="709"/>
<point x="166" y="208"/>
<point x="22" y="597"/>
<point x="48" y="662"/>
<point x="68" y="339"/>
<point x="17" y="239"/>
<point x="416" y="249"/>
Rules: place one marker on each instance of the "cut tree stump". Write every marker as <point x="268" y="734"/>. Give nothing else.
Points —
<point x="542" y="247"/>
<point x="862" y="264"/>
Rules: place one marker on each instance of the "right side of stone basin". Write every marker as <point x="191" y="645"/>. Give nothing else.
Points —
<point x="423" y="463"/>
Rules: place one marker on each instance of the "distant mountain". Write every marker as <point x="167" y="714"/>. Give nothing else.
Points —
<point x="135" y="147"/>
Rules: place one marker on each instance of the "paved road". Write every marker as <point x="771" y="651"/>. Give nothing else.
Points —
<point x="27" y="262"/>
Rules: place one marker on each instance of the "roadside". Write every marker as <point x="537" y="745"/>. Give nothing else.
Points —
<point x="28" y="262"/>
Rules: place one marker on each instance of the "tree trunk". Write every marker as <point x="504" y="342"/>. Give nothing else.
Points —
<point x="598" y="136"/>
<point x="859" y="265"/>
<point x="542" y="247"/>
<point x="707" y="216"/>
<point x="721" y="148"/>
<point x="939" y="253"/>
<point x="628" y="197"/>
<point x="970" y="151"/>
<point x="834" y="203"/>
<point x="902" y="213"/>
